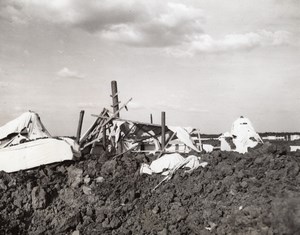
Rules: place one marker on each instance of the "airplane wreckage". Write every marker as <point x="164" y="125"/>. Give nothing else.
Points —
<point x="25" y="143"/>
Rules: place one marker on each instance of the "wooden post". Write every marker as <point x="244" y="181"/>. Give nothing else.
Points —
<point x="200" y="146"/>
<point x="163" y="130"/>
<point x="115" y="99"/>
<point x="79" y="126"/>
<point x="151" y="118"/>
<point x="104" y="137"/>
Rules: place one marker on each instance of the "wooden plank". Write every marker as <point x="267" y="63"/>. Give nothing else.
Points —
<point x="163" y="129"/>
<point x="108" y="121"/>
<point x="104" y="137"/>
<point x="162" y="151"/>
<point x="200" y="146"/>
<point x="115" y="99"/>
<point x="103" y="113"/>
<point x="81" y="115"/>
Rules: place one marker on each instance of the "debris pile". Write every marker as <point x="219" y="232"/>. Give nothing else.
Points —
<point x="253" y="193"/>
<point x="111" y="133"/>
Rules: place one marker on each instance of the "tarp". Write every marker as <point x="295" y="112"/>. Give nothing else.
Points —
<point x="25" y="143"/>
<point x="166" y="162"/>
<point x="171" y="162"/>
<point x="34" y="153"/>
<point x="28" y="126"/>
<point x="294" y="148"/>
<point x="208" y="148"/>
<point x="183" y="134"/>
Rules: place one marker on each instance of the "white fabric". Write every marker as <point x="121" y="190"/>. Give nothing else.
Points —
<point x="166" y="162"/>
<point x="115" y="130"/>
<point x="184" y="136"/>
<point x="145" y="169"/>
<point x="294" y="137"/>
<point x="294" y="148"/>
<point x="244" y="136"/>
<point x="74" y="145"/>
<point x="208" y="148"/>
<point x="225" y="146"/>
<point x="169" y="163"/>
<point x="28" y="125"/>
<point x="192" y="162"/>
<point x="243" y="130"/>
<point x="34" y="153"/>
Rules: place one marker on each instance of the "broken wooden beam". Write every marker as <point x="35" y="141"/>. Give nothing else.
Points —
<point x="163" y="150"/>
<point x="104" y="113"/>
<point x="115" y="99"/>
<point x="81" y="115"/>
<point x="163" y="130"/>
<point x="106" y="122"/>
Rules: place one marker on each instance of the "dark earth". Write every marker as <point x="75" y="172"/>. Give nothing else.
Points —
<point x="253" y="193"/>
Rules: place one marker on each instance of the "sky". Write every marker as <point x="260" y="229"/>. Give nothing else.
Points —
<point x="204" y="63"/>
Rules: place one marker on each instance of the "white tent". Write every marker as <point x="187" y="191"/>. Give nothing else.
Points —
<point x="25" y="143"/>
<point x="243" y="136"/>
<point x="28" y="126"/>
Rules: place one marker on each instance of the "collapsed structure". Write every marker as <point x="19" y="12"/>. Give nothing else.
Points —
<point x="122" y="135"/>
<point x="25" y="143"/>
<point x="241" y="137"/>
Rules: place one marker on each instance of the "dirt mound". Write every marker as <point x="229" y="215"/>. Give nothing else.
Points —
<point x="255" y="193"/>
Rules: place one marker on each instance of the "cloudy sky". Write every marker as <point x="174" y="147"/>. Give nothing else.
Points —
<point x="203" y="62"/>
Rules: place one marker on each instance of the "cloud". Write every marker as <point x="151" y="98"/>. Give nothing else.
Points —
<point x="176" y="27"/>
<point x="136" y="23"/>
<point x="67" y="73"/>
<point x="11" y="11"/>
<point x="171" y="24"/>
<point x="232" y="42"/>
<point x="89" y="15"/>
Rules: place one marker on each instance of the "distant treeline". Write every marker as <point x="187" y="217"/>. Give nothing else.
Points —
<point x="262" y="134"/>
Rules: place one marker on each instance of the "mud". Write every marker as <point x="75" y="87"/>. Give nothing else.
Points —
<point x="255" y="193"/>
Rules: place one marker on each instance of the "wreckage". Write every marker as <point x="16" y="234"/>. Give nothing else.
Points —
<point x="25" y="143"/>
<point x="241" y="137"/>
<point x="125" y="135"/>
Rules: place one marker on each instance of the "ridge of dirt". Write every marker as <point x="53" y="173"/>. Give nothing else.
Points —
<point x="254" y="193"/>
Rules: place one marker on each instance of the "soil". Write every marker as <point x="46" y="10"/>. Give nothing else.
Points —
<point x="253" y="193"/>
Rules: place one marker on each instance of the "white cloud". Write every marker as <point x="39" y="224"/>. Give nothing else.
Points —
<point x="67" y="73"/>
<point x="232" y="42"/>
<point x="168" y="24"/>
<point x="137" y="23"/>
<point x="176" y="26"/>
